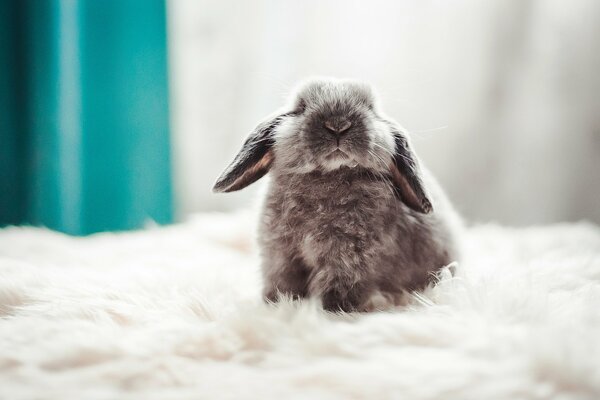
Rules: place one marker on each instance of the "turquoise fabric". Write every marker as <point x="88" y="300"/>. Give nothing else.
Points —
<point x="84" y="119"/>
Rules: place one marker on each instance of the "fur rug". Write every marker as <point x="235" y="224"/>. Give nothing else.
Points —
<point x="175" y="313"/>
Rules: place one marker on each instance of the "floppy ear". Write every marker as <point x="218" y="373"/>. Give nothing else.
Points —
<point x="253" y="161"/>
<point x="406" y="174"/>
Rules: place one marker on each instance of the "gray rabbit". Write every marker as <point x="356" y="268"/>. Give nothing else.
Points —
<point x="350" y="216"/>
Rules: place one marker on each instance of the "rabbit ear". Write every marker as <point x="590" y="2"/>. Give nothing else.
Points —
<point x="406" y="174"/>
<point x="253" y="161"/>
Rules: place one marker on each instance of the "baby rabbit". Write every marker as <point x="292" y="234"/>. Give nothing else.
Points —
<point x="350" y="215"/>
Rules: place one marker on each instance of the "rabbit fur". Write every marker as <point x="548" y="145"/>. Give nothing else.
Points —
<point x="350" y="215"/>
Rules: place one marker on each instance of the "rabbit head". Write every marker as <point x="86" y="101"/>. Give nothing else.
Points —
<point x="329" y="124"/>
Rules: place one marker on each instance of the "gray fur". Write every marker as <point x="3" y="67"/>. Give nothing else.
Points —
<point x="350" y="226"/>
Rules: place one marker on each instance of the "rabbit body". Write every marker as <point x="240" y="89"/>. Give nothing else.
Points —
<point x="344" y="236"/>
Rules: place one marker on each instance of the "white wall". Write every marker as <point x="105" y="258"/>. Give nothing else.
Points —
<point x="502" y="96"/>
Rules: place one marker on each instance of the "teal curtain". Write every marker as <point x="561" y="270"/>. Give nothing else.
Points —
<point x="84" y="120"/>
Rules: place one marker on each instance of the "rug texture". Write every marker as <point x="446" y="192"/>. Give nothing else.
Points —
<point x="175" y="313"/>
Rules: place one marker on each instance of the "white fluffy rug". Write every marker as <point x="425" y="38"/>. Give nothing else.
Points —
<point x="175" y="313"/>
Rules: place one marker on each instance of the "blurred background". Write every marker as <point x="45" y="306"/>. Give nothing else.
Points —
<point x="116" y="113"/>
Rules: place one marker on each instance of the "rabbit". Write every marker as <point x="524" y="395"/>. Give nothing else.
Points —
<point x="350" y="215"/>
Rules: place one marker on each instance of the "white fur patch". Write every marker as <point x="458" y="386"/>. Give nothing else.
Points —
<point x="331" y="164"/>
<point x="287" y="127"/>
<point x="176" y="313"/>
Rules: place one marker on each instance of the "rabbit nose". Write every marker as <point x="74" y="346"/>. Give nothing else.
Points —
<point x="337" y="125"/>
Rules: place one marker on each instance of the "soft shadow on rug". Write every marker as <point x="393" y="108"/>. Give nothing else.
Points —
<point x="176" y="313"/>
